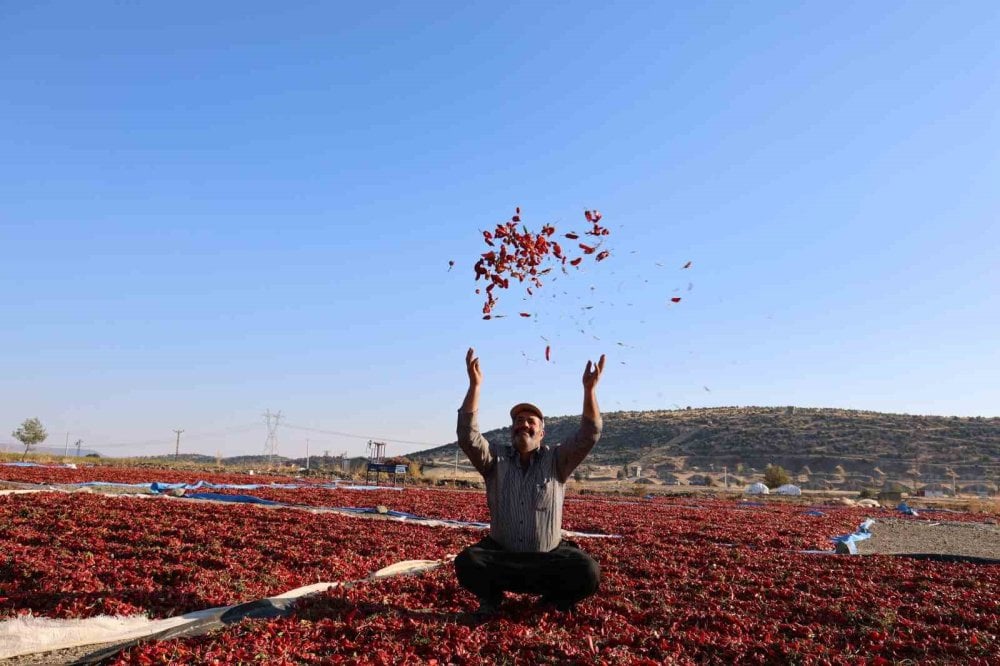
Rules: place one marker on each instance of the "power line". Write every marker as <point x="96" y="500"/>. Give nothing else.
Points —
<point x="204" y="435"/>
<point x="356" y="436"/>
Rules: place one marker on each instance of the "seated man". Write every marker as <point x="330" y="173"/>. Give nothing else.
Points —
<point x="525" y="485"/>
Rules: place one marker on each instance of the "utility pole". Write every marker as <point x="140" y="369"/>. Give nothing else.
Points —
<point x="307" y="454"/>
<point x="725" y="475"/>
<point x="457" y="447"/>
<point x="66" y="450"/>
<point x="177" y="448"/>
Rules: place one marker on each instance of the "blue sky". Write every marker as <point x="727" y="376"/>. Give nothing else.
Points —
<point x="210" y="210"/>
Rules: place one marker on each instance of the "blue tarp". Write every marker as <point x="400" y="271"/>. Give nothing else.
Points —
<point x="814" y="512"/>
<point x="849" y="542"/>
<point x="110" y="483"/>
<point x="158" y="487"/>
<point x="239" y="499"/>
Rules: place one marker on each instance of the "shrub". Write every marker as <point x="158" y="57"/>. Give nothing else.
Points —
<point x="775" y="476"/>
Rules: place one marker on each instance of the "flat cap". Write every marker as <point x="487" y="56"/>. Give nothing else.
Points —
<point x="525" y="407"/>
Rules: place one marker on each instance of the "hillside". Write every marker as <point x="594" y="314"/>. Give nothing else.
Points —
<point x="815" y="443"/>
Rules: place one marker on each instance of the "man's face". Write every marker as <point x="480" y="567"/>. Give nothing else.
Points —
<point x="527" y="432"/>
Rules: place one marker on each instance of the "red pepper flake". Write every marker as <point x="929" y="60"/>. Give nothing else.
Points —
<point x="548" y="352"/>
<point x="521" y="255"/>
<point x="525" y="314"/>
<point x="675" y="299"/>
<point x="687" y="265"/>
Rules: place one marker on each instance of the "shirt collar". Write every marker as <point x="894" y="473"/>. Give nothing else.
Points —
<point x="535" y="455"/>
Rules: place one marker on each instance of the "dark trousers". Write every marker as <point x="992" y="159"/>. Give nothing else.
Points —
<point x="563" y="576"/>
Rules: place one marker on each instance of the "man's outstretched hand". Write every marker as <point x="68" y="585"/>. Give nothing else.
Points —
<point x="472" y="366"/>
<point x="591" y="374"/>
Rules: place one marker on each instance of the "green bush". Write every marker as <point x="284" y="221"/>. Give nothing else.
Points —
<point x="776" y="476"/>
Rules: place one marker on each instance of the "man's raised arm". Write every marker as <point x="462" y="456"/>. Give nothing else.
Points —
<point x="573" y="451"/>
<point x="469" y="438"/>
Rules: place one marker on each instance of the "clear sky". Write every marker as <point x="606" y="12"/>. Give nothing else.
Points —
<point x="208" y="210"/>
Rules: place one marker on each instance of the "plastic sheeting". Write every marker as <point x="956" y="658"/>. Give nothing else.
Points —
<point x="848" y="543"/>
<point x="788" y="489"/>
<point x="239" y="499"/>
<point x="24" y="636"/>
<point x="757" y="489"/>
<point x="355" y="510"/>
<point x="158" y="487"/>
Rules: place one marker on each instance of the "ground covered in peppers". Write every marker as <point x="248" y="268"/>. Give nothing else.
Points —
<point x="688" y="582"/>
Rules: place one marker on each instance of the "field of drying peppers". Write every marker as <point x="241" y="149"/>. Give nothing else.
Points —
<point x="688" y="581"/>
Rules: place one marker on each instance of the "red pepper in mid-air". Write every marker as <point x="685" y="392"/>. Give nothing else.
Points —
<point x="548" y="351"/>
<point x="521" y="255"/>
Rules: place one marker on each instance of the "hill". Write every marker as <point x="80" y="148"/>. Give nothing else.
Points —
<point x="821" y="444"/>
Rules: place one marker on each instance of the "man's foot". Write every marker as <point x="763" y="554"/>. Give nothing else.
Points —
<point x="487" y="607"/>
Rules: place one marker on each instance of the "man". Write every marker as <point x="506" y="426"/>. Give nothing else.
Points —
<point x="525" y="485"/>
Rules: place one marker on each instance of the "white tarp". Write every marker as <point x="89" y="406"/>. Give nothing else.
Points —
<point x="757" y="489"/>
<point x="789" y="489"/>
<point x="30" y="635"/>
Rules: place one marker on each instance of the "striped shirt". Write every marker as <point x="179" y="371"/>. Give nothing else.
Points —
<point x="526" y="505"/>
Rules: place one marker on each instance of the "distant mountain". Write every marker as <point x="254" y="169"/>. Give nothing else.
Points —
<point x="15" y="447"/>
<point x="807" y="440"/>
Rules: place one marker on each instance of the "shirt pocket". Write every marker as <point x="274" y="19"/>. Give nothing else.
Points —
<point x="544" y="495"/>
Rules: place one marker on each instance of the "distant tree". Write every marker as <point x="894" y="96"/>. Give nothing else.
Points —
<point x="578" y="476"/>
<point x="31" y="434"/>
<point x="620" y="475"/>
<point x="415" y="469"/>
<point x="775" y="476"/>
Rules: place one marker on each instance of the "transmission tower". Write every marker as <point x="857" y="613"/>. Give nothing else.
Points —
<point x="271" y="444"/>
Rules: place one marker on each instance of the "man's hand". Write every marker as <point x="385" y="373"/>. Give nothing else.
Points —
<point x="472" y="367"/>
<point x="591" y="374"/>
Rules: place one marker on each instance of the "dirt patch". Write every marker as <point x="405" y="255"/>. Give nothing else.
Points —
<point x="894" y="536"/>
